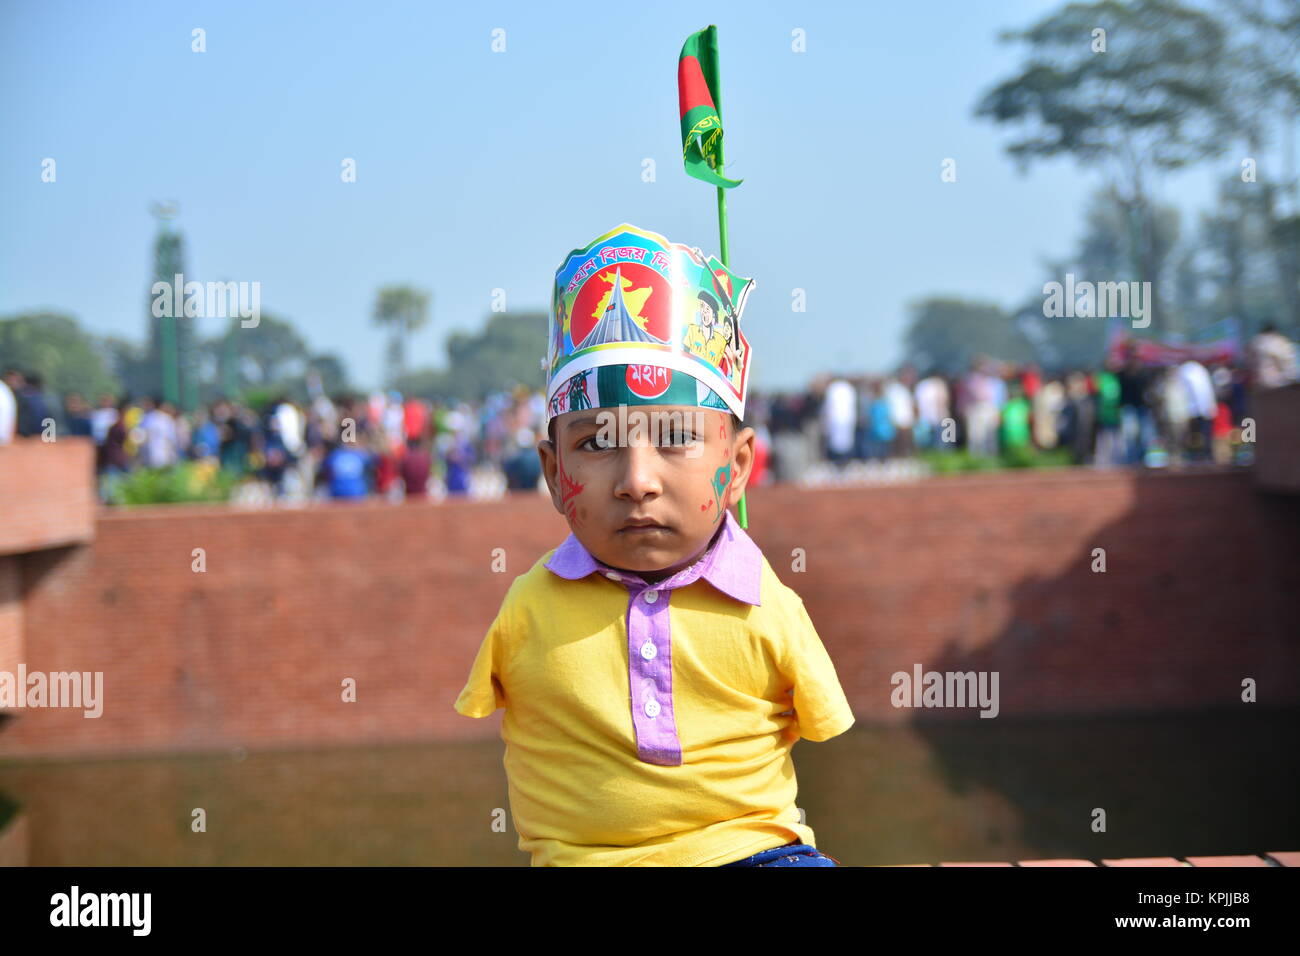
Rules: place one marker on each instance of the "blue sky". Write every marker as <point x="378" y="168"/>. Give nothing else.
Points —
<point x="479" y="170"/>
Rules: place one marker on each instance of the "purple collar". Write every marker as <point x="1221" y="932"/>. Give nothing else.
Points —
<point x="733" y="564"/>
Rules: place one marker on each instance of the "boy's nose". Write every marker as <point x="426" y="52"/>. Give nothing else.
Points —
<point x="639" y="471"/>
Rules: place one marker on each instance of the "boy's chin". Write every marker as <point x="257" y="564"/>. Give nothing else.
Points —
<point x="649" y="551"/>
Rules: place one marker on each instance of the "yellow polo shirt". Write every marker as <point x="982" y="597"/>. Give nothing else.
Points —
<point x="652" y="724"/>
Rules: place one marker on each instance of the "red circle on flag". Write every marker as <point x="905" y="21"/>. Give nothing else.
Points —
<point x="592" y="299"/>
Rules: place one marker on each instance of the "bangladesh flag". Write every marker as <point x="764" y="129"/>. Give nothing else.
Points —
<point x="697" y="89"/>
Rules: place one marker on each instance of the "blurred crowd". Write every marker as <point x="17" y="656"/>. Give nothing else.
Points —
<point x="350" y="446"/>
<point x="1125" y="412"/>
<point x="385" y="444"/>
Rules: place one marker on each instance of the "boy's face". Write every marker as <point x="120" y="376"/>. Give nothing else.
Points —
<point x="677" y="465"/>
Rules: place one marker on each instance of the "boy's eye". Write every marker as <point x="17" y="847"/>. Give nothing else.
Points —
<point x="675" y="437"/>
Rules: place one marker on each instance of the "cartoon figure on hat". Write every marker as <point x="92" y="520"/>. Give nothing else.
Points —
<point x="703" y="336"/>
<point x="730" y="358"/>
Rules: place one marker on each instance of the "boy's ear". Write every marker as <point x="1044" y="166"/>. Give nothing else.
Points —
<point x="550" y="464"/>
<point x="742" y="449"/>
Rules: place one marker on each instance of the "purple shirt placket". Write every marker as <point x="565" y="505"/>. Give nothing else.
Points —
<point x="650" y="660"/>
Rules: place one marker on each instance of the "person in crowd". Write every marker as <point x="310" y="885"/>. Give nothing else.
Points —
<point x="792" y="419"/>
<point x="1135" y="420"/>
<point x="235" y="428"/>
<point x="10" y="382"/>
<point x="840" y="419"/>
<point x="979" y="406"/>
<point x="523" y="469"/>
<point x="1080" y="417"/>
<point x="206" y="440"/>
<point x="160" y="442"/>
<point x="415" y="468"/>
<point x="1047" y="406"/>
<point x="273" y="451"/>
<point x="1106" y="389"/>
<point x="77" y="411"/>
<point x="1015" y="427"/>
<point x="902" y="410"/>
<point x="112" y="460"/>
<point x="1202" y="407"/>
<point x="33" y="409"/>
<point x="385" y="461"/>
<point x="1031" y="380"/>
<point x="1175" y="412"/>
<point x="105" y="413"/>
<point x="932" y="409"/>
<point x="459" y="459"/>
<point x="1272" y="358"/>
<point x="879" y="422"/>
<point x="347" y="471"/>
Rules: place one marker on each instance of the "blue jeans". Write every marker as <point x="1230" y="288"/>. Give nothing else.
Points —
<point x="792" y="854"/>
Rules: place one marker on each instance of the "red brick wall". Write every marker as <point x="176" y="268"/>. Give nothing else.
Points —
<point x="1277" y="437"/>
<point x="47" y="493"/>
<point x="962" y="573"/>
<point x="11" y="613"/>
<point x="47" y="499"/>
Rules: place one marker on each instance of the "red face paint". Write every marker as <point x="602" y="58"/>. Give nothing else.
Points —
<point x="569" y="491"/>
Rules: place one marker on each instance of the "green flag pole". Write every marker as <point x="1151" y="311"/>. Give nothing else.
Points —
<point x="699" y="88"/>
<point x="742" y="513"/>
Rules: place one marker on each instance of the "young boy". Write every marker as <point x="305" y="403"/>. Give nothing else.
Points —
<point x="654" y="671"/>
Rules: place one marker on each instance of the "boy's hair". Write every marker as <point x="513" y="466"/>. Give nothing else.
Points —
<point x="736" y="426"/>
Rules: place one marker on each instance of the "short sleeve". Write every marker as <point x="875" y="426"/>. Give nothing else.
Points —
<point x="484" y="692"/>
<point x="821" y="709"/>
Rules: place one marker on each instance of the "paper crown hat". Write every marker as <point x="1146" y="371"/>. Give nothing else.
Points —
<point x="638" y="320"/>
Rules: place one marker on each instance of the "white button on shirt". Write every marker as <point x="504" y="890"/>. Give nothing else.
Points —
<point x="651" y="597"/>
<point x="652" y="708"/>
<point x="648" y="651"/>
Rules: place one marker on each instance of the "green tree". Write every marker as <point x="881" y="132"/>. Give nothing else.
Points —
<point x="67" y="357"/>
<point x="265" y="355"/>
<point x="1264" y="107"/>
<point x="403" y="310"/>
<point x="1149" y="101"/>
<point x="947" y="333"/>
<point x="331" y="373"/>
<point x="132" y="366"/>
<point x="506" y="352"/>
<point x="1238" y="257"/>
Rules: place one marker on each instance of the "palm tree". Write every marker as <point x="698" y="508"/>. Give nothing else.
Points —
<point x="404" y="310"/>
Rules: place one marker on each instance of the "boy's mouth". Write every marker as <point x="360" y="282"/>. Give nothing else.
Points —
<point x="641" y="526"/>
